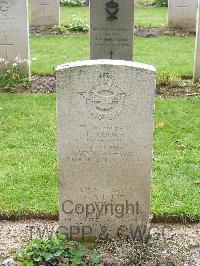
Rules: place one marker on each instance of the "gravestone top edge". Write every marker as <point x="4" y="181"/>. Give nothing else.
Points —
<point x="106" y="62"/>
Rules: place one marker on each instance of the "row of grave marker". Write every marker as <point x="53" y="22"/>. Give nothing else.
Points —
<point x="105" y="125"/>
<point x="105" y="111"/>
<point x="181" y="13"/>
<point x="111" y="28"/>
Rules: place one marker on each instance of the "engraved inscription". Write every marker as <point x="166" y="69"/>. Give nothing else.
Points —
<point x="112" y="8"/>
<point x="109" y="145"/>
<point x="117" y="39"/>
<point x="6" y="44"/>
<point x="105" y="100"/>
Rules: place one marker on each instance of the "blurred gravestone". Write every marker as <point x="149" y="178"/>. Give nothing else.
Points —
<point x="111" y="29"/>
<point x="182" y="13"/>
<point x="197" y="48"/>
<point x="14" y="32"/>
<point x="45" y="12"/>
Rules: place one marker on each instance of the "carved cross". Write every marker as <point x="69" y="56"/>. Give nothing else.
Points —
<point x="183" y="7"/>
<point x="44" y="4"/>
<point x="111" y="54"/>
<point x="7" y="45"/>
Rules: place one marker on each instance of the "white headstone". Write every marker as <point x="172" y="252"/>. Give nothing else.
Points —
<point x="45" y="12"/>
<point x="111" y="29"/>
<point x="182" y="13"/>
<point x="105" y="132"/>
<point x="197" y="49"/>
<point x="14" y="31"/>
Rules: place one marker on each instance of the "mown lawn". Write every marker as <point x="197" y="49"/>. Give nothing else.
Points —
<point x="144" y="16"/>
<point x="28" y="177"/>
<point x="168" y="54"/>
<point x="28" y="156"/>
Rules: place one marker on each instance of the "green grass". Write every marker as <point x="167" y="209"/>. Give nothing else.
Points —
<point x="163" y="52"/>
<point x="144" y="17"/>
<point x="51" y="51"/>
<point x="28" y="178"/>
<point x="151" y="17"/>
<point x="28" y="156"/>
<point x="176" y="158"/>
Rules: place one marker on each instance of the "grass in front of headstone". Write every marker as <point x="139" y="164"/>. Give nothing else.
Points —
<point x="28" y="160"/>
<point x="144" y="16"/>
<point x="50" y="51"/>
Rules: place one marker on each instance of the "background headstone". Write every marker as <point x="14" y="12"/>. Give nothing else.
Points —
<point x="197" y="49"/>
<point x="182" y="13"/>
<point x="45" y="12"/>
<point x="105" y="133"/>
<point x="86" y="3"/>
<point x="14" y="31"/>
<point x="111" y="29"/>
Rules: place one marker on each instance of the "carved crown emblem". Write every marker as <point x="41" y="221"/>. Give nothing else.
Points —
<point x="112" y="8"/>
<point x="112" y="4"/>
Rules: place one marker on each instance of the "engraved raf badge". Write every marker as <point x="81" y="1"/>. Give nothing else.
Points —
<point x="105" y="100"/>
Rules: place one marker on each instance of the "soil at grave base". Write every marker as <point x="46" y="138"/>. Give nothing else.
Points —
<point x="47" y="84"/>
<point x="138" y="31"/>
<point x="15" y="235"/>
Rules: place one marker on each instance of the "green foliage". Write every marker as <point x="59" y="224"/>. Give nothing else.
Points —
<point x="171" y="79"/>
<point x="56" y="251"/>
<point x="71" y="2"/>
<point x="77" y="24"/>
<point x="13" y="75"/>
<point x="161" y="3"/>
<point x="152" y="249"/>
<point x="146" y="50"/>
<point x="28" y="176"/>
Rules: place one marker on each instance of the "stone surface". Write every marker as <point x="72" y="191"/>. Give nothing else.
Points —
<point x="182" y="13"/>
<point x="105" y="131"/>
<point x="45" y="12"/>
<point x="111" y="29"/>
<point x="197" y="49"/>
<point x="14" y="34"/>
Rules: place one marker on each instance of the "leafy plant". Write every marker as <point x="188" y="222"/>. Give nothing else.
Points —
<point x="71" y="2"/>
<point x="56" y="251"/>
<point x="161" y="2"/>
<point x="171" y="79"/>
<point x="77" y="24"/>
<point x="13" y="75"/>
